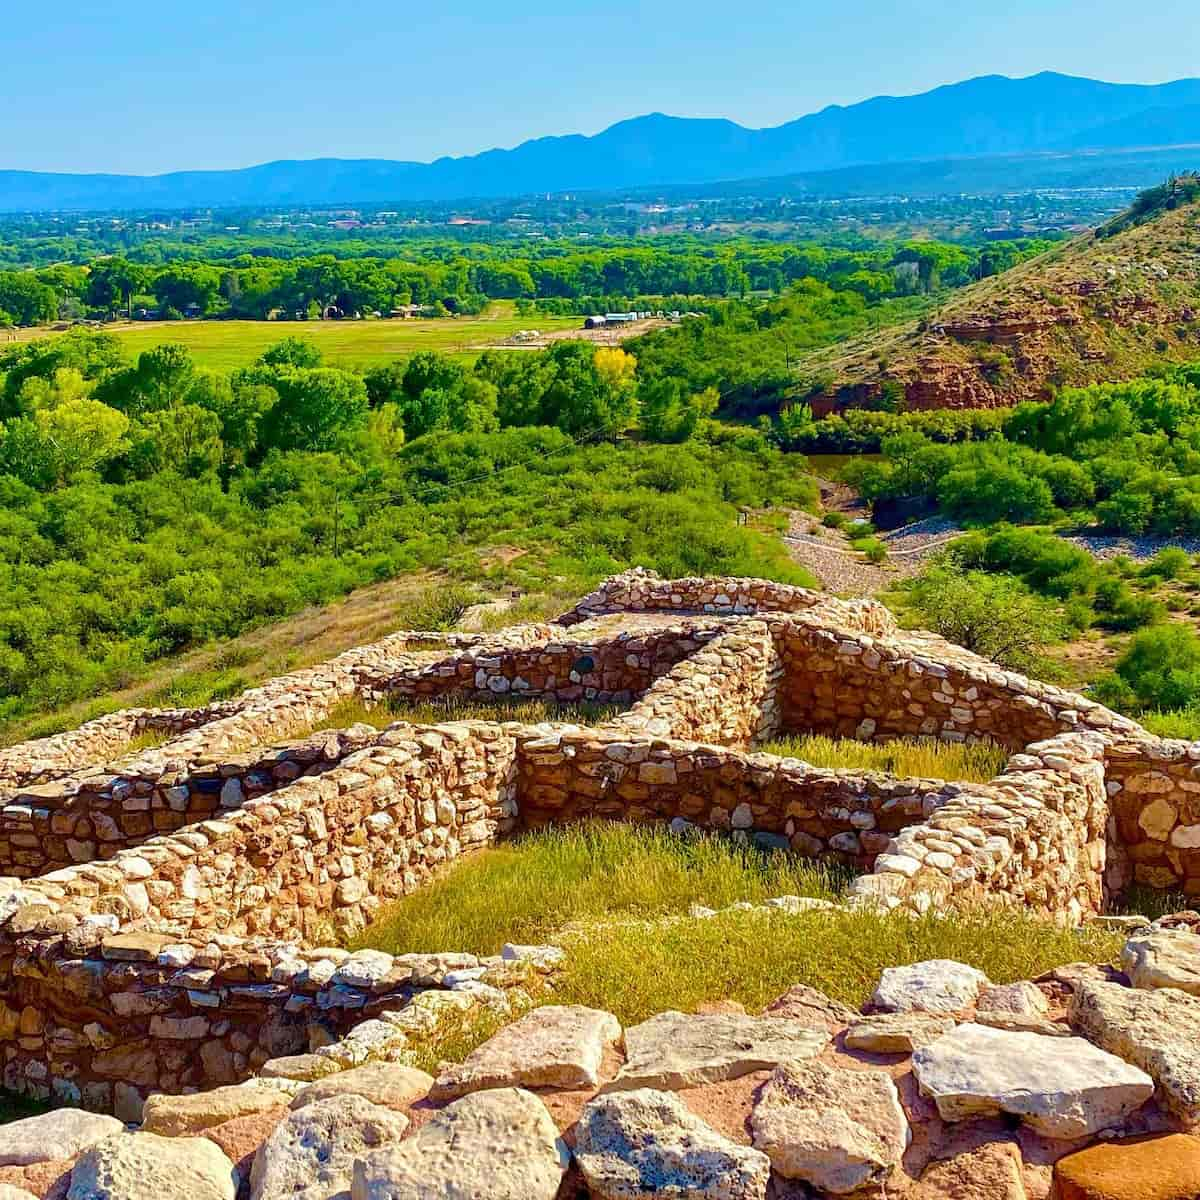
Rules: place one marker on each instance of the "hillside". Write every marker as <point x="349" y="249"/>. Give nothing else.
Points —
<point x="1107" y="306"/>
<point x="991" y="115"/>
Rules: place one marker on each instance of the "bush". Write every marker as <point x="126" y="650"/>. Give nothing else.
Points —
<point x="1159" y="670"/>
<point x="993" y="615"/>
<point x="1169" y="563"/>
<point x="875" y="550"/>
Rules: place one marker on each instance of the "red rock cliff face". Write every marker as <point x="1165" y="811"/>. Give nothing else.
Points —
<point x="1094" y="311"/>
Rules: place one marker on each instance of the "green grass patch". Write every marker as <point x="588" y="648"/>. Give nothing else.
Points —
<point x="230" y="345"/>
<point x="151" y="739"/>
<point x="1177" y="723"/>
<point x="456" y="708"/>
<point x="754" y="956"/>
<point x="1143" y="901"/>
<point x="536" y="886"/>
<point x="924" y="758"/>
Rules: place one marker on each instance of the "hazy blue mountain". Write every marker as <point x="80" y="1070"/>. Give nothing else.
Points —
<point x="1155" y="127"/>
<point x="991" y="115"/>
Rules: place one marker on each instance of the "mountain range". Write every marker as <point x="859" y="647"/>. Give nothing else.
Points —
<point x="993" y="115"/>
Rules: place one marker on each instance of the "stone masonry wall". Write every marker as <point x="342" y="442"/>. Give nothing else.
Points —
<point x="1154" y="801"/>
<point x="726" y="693"/>
<point x="1034" y="836"/>
<point x="854" y="685"/>
<point x="95" y="741"/>
<point x="638" y="591"/>
<point x="847" y="816"/>
<point x="93" y="816"/>
<point x="541" y="663"/>
<point x="299" y="867"/>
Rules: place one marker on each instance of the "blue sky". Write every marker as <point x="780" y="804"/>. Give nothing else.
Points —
<point x="136" y="87"/>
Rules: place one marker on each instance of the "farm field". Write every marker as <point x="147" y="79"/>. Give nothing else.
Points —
<point x="228" y="345"/>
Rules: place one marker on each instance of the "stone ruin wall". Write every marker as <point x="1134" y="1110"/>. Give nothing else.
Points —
<point x="193" y="947"/>
<point x="640" y="591"/>
<point x="198" y="956"/>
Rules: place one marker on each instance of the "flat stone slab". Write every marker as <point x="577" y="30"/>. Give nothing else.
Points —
<point x="837" y="1129"/>
<point x="939" y="985"/>
<point x="499" y="1144"/>
<point x="307" y="1068"/>
<point x="1059" y="1087"/>
<point x="896" y="1033"/>
<point x="559" y="1046"/>
<point x="310" y="1155"/>
<point x="176" y="1116"/>
<point x="388" y="1084"/>
<point x="1164" y="958"/>
<point x="63" y="1133"/>
<point x="1149" y="1168"/>
<point x="144" y="1166"/>
<point x="645" y="1143"/>
<point x="1022" y="1023"/>
<point x="1158" y="1030"/>
<point x="676" y="1050"/>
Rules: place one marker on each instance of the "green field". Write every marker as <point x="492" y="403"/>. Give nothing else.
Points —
<point x="227" y="345"/>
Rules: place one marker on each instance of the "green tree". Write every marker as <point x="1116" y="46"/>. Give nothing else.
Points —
<point x="993" y="615"/>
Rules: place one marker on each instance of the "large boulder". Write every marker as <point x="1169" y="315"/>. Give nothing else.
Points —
<point x="837" y="1129"/>
<point x="678" y="1050"/>
<point x="389" y="1084"/>
<point x="1158" y="1030"/>
<point x="1163" y="958"/>
<point x="63" y="1133"/>
<point x="939" y="985"/>
<point x="644" y="1143"/>
<point x="311" y="1153"/>
<point x="1059" y="1087"/>
<point x="559" y="1046"/>
<point x="1146" y="1168"/>
<point x="177" y="1116"/>
<point x="493" y="1145"/>
<point x="144" y="1166"/>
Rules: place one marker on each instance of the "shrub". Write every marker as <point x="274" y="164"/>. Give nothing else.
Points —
<point x="1160" y="669"/>
<point x="1169" y="563"/>
<point x="994" y="615"/>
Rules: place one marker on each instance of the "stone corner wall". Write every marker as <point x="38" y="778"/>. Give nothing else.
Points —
<point x="1034" y="836"/>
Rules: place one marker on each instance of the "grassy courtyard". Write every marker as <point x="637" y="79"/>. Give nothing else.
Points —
<point x="616" y="898"/>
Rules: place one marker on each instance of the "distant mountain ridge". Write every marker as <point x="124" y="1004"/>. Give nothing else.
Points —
<point x="990" y="115"/>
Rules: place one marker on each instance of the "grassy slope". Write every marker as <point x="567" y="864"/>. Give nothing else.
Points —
<point x="227" y="345"/>
<point x="1101" y="310"/>
<point x="226" y="668"/>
